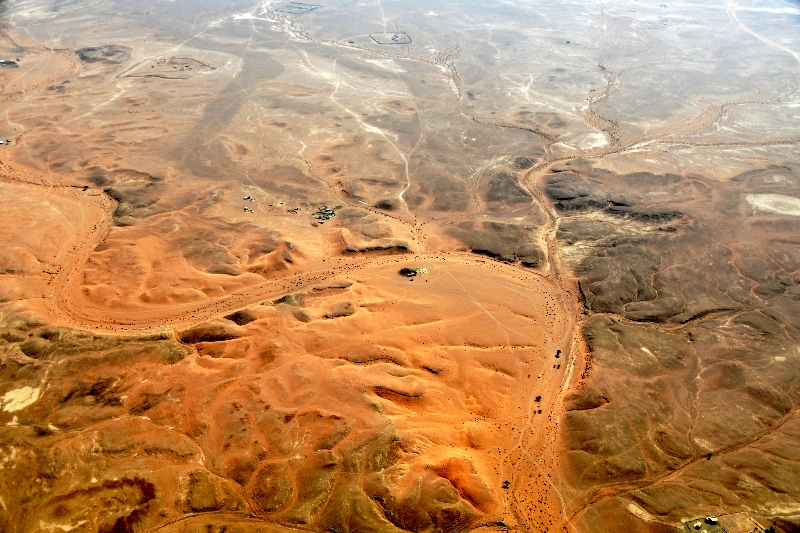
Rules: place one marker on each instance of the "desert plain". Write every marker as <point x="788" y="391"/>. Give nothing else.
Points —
<point x="383" y="266"/>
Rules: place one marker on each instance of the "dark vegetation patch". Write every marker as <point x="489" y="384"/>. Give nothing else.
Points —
<point x="110" y="53"/>
<point x="400" y="398"/>
<point x="332" y="286"/>
<point x="504" y="242"/>
<point x="388" y="246"/>
<point x="522" y="163"/>
<point x="386" y="182"/>
<point x="570" y="192"/>
<point x="298" y="299"/>
<point x="101" y="392"/>
<point x="98" y="176"/>
<point x="341" y="309"/>
<point x="210" y="257"/>
<point x="55" y="342"/>
<point x="388" y="204"/>
<point x="242" y="317"/>
<point x="132" y="201"/>
<point x="135" y="192"/>
<point x="212" y="332"/>
<point x="504" y="188"/>
<point x="585" y="399"/>
<point x="291" y="299"/>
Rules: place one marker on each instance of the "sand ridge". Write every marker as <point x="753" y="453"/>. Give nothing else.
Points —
<point x="601" y="333"/>
<point x="526" y="310"/>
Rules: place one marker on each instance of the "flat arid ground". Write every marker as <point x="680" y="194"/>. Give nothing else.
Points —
<point x="399" y="266"/>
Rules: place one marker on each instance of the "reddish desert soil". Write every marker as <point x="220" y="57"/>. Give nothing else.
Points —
<point x="602" y="333"/>
<point x="433" y="395"/>
<point x="437" y="396"/>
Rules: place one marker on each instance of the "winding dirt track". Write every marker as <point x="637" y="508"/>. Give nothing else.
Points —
<point x="530" y="460"/>
<point x="534" y="434"/>
<point x="67" y="302"/>
<point x="529" y="463"/>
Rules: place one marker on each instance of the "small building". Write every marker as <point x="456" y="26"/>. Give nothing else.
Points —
<point x="709" y="524"/>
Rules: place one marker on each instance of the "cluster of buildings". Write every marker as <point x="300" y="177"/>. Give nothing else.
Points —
<point x="324" y="213"/>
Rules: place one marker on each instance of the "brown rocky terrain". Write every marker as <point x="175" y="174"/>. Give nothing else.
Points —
<point x="534" y="269"/>
<point x="725" y="295"/>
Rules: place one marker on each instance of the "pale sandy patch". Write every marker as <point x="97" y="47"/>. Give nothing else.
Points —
<point x="775" y="203"/>
<point x="18" y="399"/>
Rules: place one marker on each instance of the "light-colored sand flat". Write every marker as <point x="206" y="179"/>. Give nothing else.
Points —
<point x="775" y="203"/>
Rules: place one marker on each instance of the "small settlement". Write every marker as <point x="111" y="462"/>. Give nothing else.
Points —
<point x="708" y="525"/>
<point x="248" y="199"/>
<point x="324" y="213"/>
